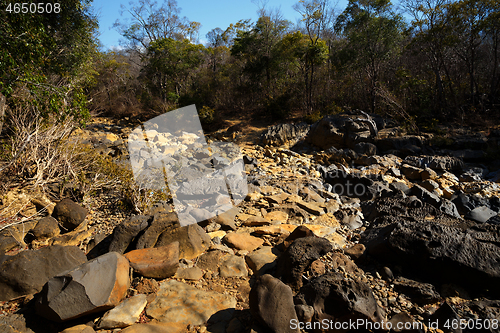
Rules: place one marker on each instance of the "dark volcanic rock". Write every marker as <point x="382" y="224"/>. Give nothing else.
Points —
<point x="46" y="228"/>
<point x="419" y="292"/>
<point x="284" y="133"/>
<point x="97" y="285"/>
<point x="124" y="233"/>
<point x="298" y="256"/>
<point x="193" y="240"/>
<point x="271" y="303"/>
<point x="27" y="272"/>
<point x="161" y="222"/>
<point x="436" y="252"/>
<point x="340" y="299"/>
<point x="354" y="185"/>
<point x="69" y="214"/>
<point x="440" y="163"/>
<point x="481" y="214"/>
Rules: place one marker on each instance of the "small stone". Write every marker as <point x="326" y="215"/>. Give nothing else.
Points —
<point x="233" y="266"/>
<point x="311" y="208"/>
<point x="277" y="215"/>
<point x="191" y="273"/>
<point x="125" y="314"/>
<point x="262" y="260"/>
<point x="355" y="251"/>
<point x="243" y="241"/>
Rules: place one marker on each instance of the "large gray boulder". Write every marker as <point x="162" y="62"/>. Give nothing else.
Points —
<point x="125" y="233"/>
<point x="97" y="285"/>
<point x="27" y="272"/>
<point x="271" y="303"/>
<point x="439" y="253"/>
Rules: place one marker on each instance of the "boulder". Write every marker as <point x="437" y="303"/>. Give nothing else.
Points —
<point x="297" y="258"/>
<point x="159" y="263"/>
<point x="271" y="303"/>
<point x="281" y="134"/>
<point x="439" y="253"/>
<point x="193" y="240"/>
<point x="179" y="303"/>
<point x="69" y="214"/>
<point x="125" y="233"/>
<point x="338" y="298"/>
<point x="162" y="221"/>
<point x="27" y="272"/>
<point x="439" y="163"/>
<point x="95" y="286"/>
<point x="46" y="228"/>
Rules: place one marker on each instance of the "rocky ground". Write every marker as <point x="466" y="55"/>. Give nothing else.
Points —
<point x="349" y="225"/>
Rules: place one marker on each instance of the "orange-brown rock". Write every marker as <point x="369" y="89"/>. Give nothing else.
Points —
<point x="159" y="263"/>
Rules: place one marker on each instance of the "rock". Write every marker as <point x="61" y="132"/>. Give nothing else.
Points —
<point x="411" y="172"/>
<point x="337" y="298"/>
<point x="305" y="313"/>
<point x="226" y="219"/>
<point x="419" y="292"/>
<point x="159" y="263"/>
<point x="155" y="328"/>
<point x="298" y="256"/>
<point x="27" y="272"/>
<point x="46" y="228"/>
<point x="429" y="185"/>
<point x="356" y="251"/>
<point x="438" y="253"/>
<point x="147" y="286"/>
<point x="399" y="186"/>
<point x="193" y="240"/>
<point x="449" y="208"/>
<point x="69" y="214"/>
<point x="284" y="134"/>
<point x="210" y="260"/>
<point x="263" y="260"/>
<point x="428" y="174"/>
<point x="190" y="273"/>
<point x="79" y="329"/>
<point x="177" y="302"/>
<point x="311" y="208"/>
<point x="97" y="285"/>
<point x="277" y="215"/>
<point x="242" y="241"/>
<point x="352" y="185"/>
<point x="256" y="221"/>
<point x="266" y="297"/>
<point x="481" y="214"/>
<point x="425" y="195"/>
<point x="440" y="163"/>
<point x="162" y="221"/>
<point x="14" y="323"/>
<point x="233" y="266"/>
<point x="125" y="314"/>
<point x="125" y="233"/>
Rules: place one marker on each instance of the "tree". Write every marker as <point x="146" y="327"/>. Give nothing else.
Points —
<point x="151" y="22"/>
<point x="316" y="17"/>
<point x="49" y="56"/>
<point x="171" y="64"/>
<point x="373" y="32"/>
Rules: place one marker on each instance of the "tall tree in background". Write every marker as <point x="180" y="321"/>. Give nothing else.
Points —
<point x="151" y="22"/>
<point x="316" y="18"/>
<point x="373" y="32"/>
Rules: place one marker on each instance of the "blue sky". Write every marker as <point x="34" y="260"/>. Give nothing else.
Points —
<point x="211" y="14"/>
